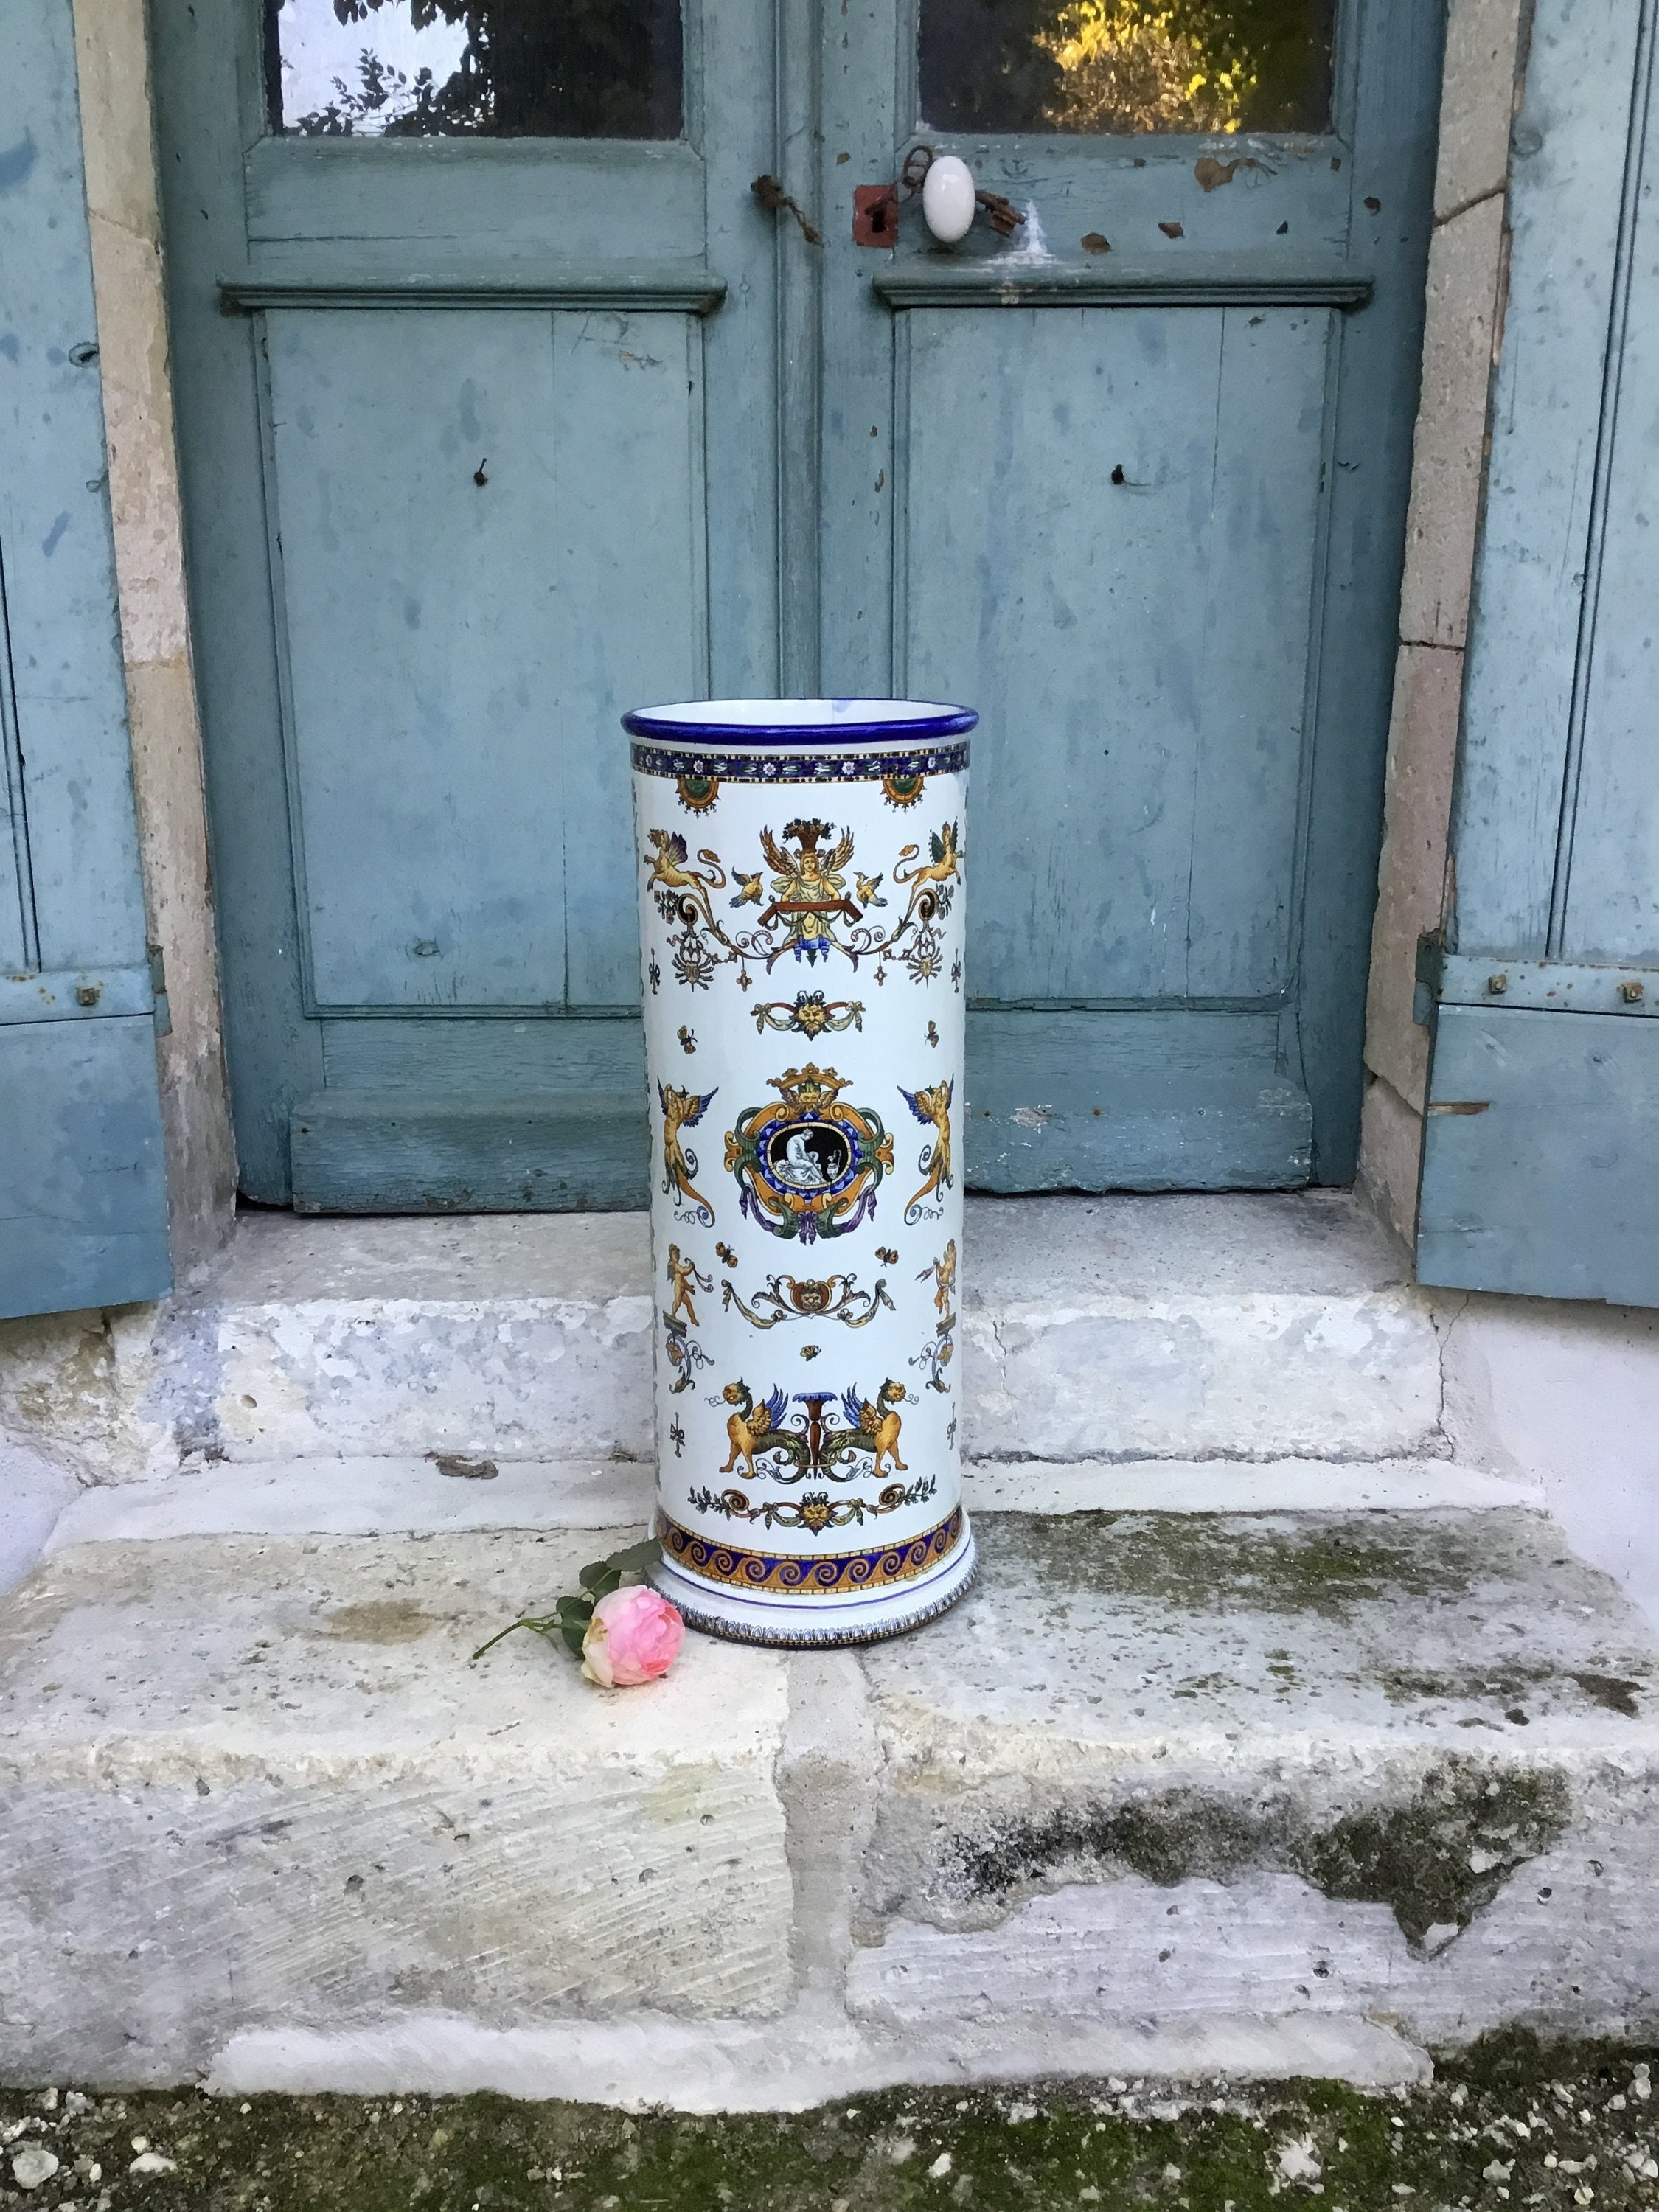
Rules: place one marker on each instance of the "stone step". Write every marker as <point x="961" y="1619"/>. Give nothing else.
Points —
<point x="393" y="1496"/>
<point x="1168" y="1794"/>
<point x="1251" y="1327"/>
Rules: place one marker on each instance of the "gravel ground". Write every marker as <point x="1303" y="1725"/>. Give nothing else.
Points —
<point x="1510" y="2123"/>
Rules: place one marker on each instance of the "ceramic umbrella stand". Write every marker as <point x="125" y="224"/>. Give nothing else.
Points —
<point x="801" y="874"/>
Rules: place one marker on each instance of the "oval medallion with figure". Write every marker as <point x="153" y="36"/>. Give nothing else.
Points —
<point x="808" y="1164"/>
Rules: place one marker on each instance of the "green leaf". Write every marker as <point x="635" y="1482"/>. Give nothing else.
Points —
<point x="626" y="1565"/>
<point x="633" y="1560"/>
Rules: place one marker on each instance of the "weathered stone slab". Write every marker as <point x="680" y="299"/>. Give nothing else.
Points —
<point x="1250" y="1326"/>
<point x="1346" y="1763"/>
<point x="254" y="1785"/>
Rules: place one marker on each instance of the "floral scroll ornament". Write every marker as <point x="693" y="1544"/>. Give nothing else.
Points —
<point x="810" y="1015"/>
<point x="784" y="1298"/>
<point x="802" y="907"/>
<point x="817" y="1511"/>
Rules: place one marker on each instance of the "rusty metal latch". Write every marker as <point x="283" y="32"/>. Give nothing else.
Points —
<point x="774" y="199"/>
<point x="876" y="207"/>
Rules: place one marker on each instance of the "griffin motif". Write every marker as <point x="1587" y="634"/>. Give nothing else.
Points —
<point x="811" y="1444"/>
<point x="684" y="886"/>
<point x="942" y="868"/>
<point x="752" y="1428"/>
<point x="878" y="1420"/>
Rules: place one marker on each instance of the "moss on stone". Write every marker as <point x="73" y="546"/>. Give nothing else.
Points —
<point x="1320" y="1563"/>
<point x="1435" y="1855"/>
<point x="1510" y="2121"/>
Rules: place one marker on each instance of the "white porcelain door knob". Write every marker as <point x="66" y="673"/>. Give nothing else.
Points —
<point x="947" y="198"/>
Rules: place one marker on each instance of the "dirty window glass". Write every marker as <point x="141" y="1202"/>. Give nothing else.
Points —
<point x="1125" y="65"/>
<point x="501" y="68"/>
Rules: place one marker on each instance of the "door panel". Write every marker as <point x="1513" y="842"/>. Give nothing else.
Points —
<point x="429" y="620"/>
<point x="1136" y="647"/>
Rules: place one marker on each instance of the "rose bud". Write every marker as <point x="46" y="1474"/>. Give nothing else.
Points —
<point x="632" y="1638"/>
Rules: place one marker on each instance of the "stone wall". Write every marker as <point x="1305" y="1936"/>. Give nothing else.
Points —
<point x="1463" y="329"/>
<point x="119" y="139"/>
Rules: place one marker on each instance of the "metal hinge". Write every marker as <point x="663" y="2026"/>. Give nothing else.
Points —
<point x="1558" y="987"/>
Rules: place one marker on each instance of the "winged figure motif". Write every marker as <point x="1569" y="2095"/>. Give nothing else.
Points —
<point x="671" y="873"/>
<point x="682" y="1110"/>
<point x="943" y="866"/>
<point x="931" y="1105"/>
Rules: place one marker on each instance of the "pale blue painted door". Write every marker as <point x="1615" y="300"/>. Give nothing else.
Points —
<point x="1543" y="1115"/>
<point x="501" y="434"/>
<point x="82" y="1192"/>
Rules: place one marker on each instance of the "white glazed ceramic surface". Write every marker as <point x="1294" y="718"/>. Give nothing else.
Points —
<point x="801" y="871"/>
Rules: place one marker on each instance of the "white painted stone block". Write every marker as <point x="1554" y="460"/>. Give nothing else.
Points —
<point x="1244" y="1376"/>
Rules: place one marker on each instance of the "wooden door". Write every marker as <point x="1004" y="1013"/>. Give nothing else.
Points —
<point x="507" y="429"/>
<point x="472" y="465"/>
<point x="1543" y="1107"/>
<point x="1142" y="468"/>
<point x="83" y="1214"/>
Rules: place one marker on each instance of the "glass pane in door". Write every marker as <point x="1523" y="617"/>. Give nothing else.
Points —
<point x="1125" y="65"/>
<point x="502" y="69"/>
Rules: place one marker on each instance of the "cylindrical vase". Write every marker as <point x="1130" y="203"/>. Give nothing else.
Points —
<point x="801" y="891"/>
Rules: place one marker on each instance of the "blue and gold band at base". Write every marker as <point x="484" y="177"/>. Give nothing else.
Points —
<point x="721" y="1609"/>
<point x="814" y="1576"/>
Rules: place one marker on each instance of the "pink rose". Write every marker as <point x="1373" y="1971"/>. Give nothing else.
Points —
<point x="632" y="1638"/>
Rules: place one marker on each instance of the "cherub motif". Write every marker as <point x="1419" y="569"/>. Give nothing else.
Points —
<point x="751" y="1425"/>
<point x="672" y="872"/>
<point x="942" y="1272"/>
<point x="937" y="1355"/>
<point x="931" y="1105"/>
<point x="878" y="1422"/>
<point x="943" y="866"/>
<point x="682" y="1110"/>
<point x="685" y="1277"/>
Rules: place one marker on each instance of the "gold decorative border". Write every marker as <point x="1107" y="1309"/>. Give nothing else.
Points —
<point x="789" y="1574"/>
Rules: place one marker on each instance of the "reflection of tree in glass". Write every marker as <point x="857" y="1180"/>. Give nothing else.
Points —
<point x="545" y="69"/>
<point x="1125" y="65"/>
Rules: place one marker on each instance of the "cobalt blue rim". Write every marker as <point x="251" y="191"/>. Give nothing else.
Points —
<point x="675" y="724"/>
